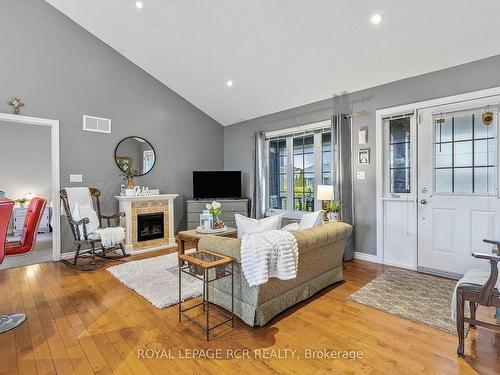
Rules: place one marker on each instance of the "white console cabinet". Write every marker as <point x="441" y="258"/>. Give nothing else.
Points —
<point x="20" y="212"/>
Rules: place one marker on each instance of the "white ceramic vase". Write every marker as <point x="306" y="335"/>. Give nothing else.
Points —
<point x="334" y="216"/>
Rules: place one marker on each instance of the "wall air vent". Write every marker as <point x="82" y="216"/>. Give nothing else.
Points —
<point x="96" y="124"/>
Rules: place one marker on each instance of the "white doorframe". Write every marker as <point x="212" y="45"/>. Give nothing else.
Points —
<point x="56" y="207"/>
<point x="385" y="112"/>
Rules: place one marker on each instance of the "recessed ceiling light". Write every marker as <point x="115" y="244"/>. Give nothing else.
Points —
<point x="229" y="83"/>
<point x="139" y="4"/>
<point x="376" y="19"/>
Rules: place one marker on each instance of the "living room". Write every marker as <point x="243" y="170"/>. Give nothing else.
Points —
<point x="352" y="145"/>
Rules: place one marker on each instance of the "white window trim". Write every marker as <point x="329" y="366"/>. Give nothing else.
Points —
<point x="318" y="175"/>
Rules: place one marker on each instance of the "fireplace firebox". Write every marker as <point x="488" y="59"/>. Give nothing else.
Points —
<point x="149" y="226"/>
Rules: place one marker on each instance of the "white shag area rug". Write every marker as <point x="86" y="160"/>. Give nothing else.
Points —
<point x="156" y="279"/>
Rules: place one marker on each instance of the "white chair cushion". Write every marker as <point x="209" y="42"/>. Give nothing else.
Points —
<point x="292" y="227"/>
<point x="86" y="211"/>
<point x="311" y="220"/>
<point x="246" y="225"/>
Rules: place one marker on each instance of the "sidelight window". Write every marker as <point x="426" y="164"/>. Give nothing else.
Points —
<point x="399" y="155"/>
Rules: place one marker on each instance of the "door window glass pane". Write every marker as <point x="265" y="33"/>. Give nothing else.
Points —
<point x="462" y="127"/>
<point x="463" y="154"/>
<point x="444" y="180"/>
<point x="443" y="130"/>
<point x="484" y="180"/>
<point x="462" y="180"/>
<point x="399" y="155"/>
<point x="484" y="152"/>
<point x="465" y="162"/>
<point x="443" y="155"/>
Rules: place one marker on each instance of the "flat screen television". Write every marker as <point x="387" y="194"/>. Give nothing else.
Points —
<point x="216" y="184"/>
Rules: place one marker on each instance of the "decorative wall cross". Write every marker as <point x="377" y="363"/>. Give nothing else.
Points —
<point x="16" y="103"/>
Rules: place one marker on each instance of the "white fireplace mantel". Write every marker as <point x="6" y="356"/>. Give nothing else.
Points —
<point x="134" y="205"/>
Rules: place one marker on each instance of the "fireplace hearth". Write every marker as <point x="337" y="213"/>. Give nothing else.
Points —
<point x="150" y="226"/>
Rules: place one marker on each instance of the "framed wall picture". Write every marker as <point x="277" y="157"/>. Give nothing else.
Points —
<point x="364" y="156"/>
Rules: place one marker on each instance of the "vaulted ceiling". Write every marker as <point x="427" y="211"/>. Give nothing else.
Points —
<point x="286" y="53"/>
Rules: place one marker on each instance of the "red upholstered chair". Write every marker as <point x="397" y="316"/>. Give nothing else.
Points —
<point x="25" y="245"/>
<point x="30" y="229"/>
<point x="6" y="206"/>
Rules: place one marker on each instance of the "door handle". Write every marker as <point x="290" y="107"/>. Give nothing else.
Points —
<point x="423" y="201"/>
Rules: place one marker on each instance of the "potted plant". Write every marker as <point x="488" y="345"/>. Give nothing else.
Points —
<point x="22" y="202"/>
<point x="334" y="210"/>
<point x="128" y="176"/>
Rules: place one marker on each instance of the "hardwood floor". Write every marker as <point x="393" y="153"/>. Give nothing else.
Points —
<point x="91" y="323"/>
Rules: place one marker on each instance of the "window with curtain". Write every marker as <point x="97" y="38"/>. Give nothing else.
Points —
<point x="298" y="162"/>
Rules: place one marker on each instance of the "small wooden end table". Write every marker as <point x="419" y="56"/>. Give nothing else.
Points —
<point x="193" y="236"/>
<point x="198" y="264"/>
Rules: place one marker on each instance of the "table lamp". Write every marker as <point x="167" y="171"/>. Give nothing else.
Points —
<point x="325" y="194"/>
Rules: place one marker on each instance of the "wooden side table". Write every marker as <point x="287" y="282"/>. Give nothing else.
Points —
<point x="199" y="264"/>
<point x="193" y="236"/>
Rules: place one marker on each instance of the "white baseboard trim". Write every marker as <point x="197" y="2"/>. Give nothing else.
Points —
<point x="367" y="257"/>
<point x="71" y="254"/>
<point x="400" y="265"/>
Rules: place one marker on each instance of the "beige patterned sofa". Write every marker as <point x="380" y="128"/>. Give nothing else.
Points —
<point x="321" y="250"/>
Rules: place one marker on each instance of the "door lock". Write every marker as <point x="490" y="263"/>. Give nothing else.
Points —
<point x="423" y="201"/>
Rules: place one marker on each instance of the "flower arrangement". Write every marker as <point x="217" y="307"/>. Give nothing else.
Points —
<point x="214" y="208"/>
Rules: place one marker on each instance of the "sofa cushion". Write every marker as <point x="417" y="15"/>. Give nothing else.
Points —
<point x="292" y="227"/>
<point x="246" y="225"/>
<point x="311" y="220"/>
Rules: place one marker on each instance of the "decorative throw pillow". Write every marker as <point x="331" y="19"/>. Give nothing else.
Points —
<point x="292" y="227"/>
<point x="246" y="225"/>
<point x="80" y="212"/>
<point x="311" y="220"/>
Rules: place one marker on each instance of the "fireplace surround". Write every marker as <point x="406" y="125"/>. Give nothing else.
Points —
<point x="143" y="220"/>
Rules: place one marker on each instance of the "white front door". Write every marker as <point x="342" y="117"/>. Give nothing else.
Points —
<point x="457" y="194"/>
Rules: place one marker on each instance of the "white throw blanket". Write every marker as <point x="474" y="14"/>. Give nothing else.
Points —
<point x="76" y="195"/>
<point x="269" y="254"/>
<point x="473" y="276"/>
<point x="111" y="236"/>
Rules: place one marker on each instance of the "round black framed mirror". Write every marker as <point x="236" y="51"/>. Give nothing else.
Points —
<point x="135" y="154"/>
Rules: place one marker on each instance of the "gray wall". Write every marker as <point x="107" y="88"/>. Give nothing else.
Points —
<point x="63" y="72"/>
<point x="25" y="160"/>
<point x="238" y="141"/>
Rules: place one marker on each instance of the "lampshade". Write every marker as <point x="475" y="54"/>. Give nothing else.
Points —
<point x="325" y="192"/>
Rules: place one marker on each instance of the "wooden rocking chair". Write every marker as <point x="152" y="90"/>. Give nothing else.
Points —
<point x="476" y="294"/>
<point x="84" y="239"/>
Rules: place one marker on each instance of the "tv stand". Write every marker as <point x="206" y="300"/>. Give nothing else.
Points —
<point x="230" y="207"/>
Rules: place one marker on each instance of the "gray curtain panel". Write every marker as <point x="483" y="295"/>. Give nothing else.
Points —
<point x="259" y="176"/>
<point x="341" y="135"/>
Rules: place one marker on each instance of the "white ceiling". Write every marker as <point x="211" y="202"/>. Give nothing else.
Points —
<point x="286" y="53"/>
